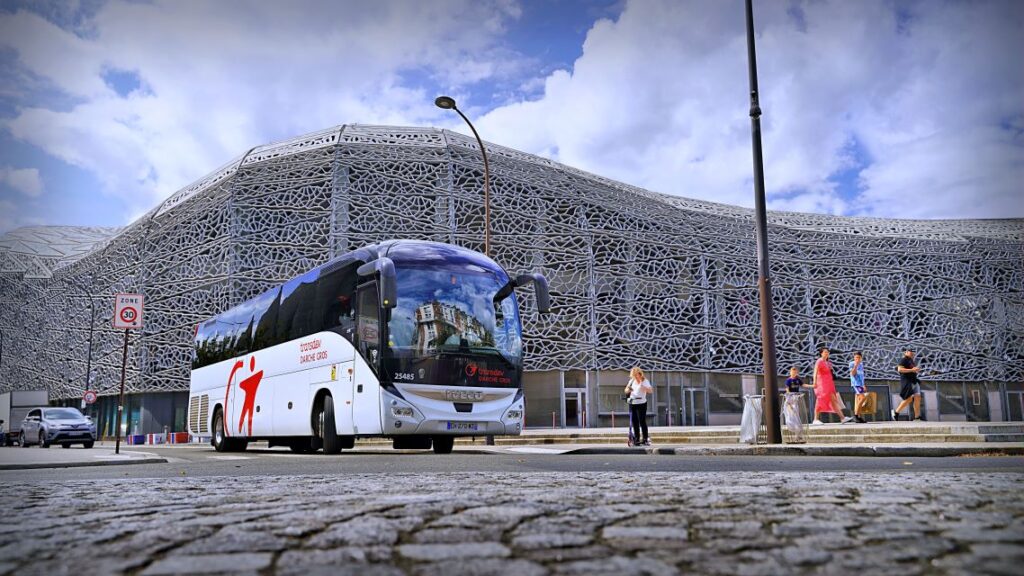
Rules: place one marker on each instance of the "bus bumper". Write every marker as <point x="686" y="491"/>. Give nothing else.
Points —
<point x="402" y="417"/>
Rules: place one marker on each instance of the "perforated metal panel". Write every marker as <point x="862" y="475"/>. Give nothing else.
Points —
<point x="204" y="414"/>
<point x="637" y="277"/>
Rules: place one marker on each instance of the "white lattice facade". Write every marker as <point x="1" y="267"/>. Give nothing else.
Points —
<point x="636" y="277"/>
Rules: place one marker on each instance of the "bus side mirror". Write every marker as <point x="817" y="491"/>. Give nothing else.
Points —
<point x="540" y="288"/>
<point x="387" y="286"/>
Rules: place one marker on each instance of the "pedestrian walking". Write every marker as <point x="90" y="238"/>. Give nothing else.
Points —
<point x="857" y="381"/>
<point x="638" y="388"/>
<point x="826" y="399"/>
<point x="910" y="385"/>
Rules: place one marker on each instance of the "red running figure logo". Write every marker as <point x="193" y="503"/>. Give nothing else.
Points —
<point x="470" y="370"/>
<point x="249" y="386"/>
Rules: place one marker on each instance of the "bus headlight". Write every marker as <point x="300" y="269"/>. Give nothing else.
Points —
<point x="401" y="412"/>
<point x="514" y="413"/>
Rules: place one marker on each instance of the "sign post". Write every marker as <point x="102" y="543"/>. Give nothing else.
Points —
<point x="127" y="315"/>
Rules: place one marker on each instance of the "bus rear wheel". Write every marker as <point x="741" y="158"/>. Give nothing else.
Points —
<point x="221" y="442"/>
<point x="443" y="444"/>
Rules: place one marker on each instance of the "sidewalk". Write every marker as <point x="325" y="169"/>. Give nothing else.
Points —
<point x="18" y="458"/>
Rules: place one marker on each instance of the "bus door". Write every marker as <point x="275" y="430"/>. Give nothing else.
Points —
<point x="366" y="387"/>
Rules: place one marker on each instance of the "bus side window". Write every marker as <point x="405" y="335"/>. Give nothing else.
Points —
<point x="336" y="291"/>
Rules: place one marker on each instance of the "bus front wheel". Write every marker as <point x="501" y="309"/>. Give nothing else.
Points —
<point x="328" y="428"/>
<point x="443" y="444"/>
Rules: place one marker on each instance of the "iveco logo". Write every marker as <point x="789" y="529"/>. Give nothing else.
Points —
<point x="463" y="395"/>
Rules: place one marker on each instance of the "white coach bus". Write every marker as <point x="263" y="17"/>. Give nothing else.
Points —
<point x="417" y="341"/>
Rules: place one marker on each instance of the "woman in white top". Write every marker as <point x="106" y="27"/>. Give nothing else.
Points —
<point x="637" y="388"/>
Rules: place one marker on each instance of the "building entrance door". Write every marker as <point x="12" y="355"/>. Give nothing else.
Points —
<point x="963" y="401"/>
<point x="695" y="407"/>
<point x="1015" y="406"/>
<point x="575" y="405"/>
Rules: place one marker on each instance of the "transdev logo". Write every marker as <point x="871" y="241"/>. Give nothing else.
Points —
<point x="249" y="386"/>
<point x="470" y="369"/>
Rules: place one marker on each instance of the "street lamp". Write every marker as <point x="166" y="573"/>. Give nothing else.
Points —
<point x="448" y="103"/>
<point x="764" y="282"/>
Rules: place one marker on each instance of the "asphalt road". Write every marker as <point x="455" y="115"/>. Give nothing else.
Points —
<point x="205" y="462"/>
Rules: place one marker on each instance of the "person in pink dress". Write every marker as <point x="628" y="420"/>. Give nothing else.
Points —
<point x="825" y="397"/>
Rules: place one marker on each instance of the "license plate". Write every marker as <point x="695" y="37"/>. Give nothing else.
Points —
<point x="464" y="426"/>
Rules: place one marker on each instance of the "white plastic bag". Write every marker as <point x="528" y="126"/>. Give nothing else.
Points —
<point x="791" y="413"/>
<point x="750" y="425"/>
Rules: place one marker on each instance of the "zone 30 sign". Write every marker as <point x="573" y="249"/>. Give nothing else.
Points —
<point x="128" y="311"/>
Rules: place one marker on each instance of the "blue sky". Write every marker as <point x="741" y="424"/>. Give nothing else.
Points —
<point x="871" y="108"/>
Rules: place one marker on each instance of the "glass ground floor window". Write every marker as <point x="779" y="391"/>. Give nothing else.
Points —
<point x="713" y="398"/>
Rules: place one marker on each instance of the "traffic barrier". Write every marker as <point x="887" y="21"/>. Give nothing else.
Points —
<point x="155" y="438"/>
<point x="178" y="438"/>
<point x="135" y="439"/>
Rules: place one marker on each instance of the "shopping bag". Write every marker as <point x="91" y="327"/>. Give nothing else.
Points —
<point x="870" y="403"/>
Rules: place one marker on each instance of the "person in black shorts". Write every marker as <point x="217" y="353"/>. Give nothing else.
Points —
<point x="910" y="385"/>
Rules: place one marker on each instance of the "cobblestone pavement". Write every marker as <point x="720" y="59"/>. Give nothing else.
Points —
<point x="509" y="524"/>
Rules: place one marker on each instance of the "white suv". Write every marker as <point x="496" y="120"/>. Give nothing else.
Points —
<point x="64" y="426"/>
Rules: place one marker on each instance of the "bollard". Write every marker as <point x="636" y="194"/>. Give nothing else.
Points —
<point x="552" y="420"/>
<point x="613" y="419"/>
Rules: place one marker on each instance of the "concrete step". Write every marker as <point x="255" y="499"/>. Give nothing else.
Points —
<point x="880" y="433"/>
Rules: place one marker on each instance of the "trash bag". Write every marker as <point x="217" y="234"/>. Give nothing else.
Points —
<point x="792" y="415"/>
<point x="753" y="415"/>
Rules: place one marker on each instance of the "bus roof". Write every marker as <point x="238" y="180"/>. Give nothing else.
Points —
<point x="400" y="251"/>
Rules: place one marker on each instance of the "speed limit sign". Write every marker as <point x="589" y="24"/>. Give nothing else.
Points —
<point x="128" y="311"/>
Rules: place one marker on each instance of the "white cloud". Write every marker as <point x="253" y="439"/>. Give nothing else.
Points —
<point x="222" y="77"/>
<point x="24" y="180"/>
<point x="931" y="95"/>
<point x="659" y="99"/>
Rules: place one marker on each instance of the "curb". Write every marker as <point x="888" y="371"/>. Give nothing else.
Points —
<point x="38" y="465"/>
<point x="796" y="450"/>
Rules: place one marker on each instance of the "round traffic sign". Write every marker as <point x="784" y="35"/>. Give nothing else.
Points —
<point x="89" y="397"/>
<point x="129" y="314"/>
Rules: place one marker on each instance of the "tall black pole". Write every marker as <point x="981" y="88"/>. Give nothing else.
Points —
<point x="120" y="398"/>
<point x="449" y="104"/>
<point x="764" y="282"/>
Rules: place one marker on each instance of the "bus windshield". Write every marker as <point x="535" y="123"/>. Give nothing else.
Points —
<point x="447" y="330"/>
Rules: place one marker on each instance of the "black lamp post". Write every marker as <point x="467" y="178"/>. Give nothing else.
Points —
<point x="447" y="103"/>
<point x="764" y="282"/>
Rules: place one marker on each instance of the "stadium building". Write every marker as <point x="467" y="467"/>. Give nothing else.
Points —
<point x="637" y="278"/>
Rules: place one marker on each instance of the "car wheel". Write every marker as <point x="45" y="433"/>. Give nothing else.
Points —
<point x="443" y="444"/>
<point x="42" y="439"/>
<point x="21" y="440"/>
<point x="65" y="445"/>
<point x="87" y="445"/>
<point x="332" y="444"/>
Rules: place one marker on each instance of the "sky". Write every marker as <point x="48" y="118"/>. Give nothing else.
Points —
<point x="878" y="108"/>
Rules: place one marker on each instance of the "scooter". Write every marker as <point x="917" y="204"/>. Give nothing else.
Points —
<point x="631" y="440"/>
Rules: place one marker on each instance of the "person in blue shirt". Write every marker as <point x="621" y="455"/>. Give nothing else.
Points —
<point x="794" y="383"/>
<point x="857" y="381"/>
